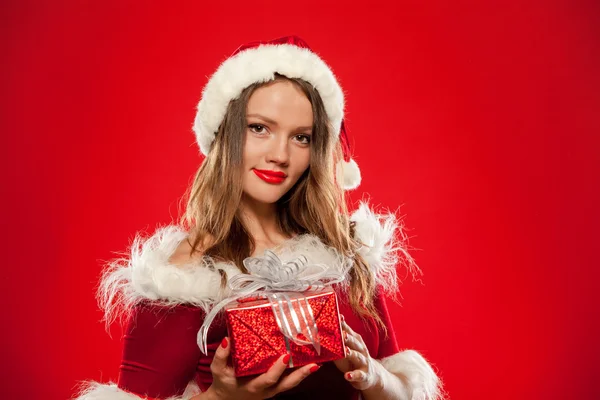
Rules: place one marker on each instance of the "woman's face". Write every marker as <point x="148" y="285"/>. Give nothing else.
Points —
<point x="278" y="134"/>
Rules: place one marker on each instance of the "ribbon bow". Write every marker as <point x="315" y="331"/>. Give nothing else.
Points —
<point x="270" y="277"/>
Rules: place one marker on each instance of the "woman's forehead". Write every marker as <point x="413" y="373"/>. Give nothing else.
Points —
<point x="280" y="102"/>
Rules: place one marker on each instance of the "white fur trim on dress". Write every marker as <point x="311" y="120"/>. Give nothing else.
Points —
<point x="348" y="174"/>
<point x="147" y="274"/>
<point x="416" y="372"/>
<point x="385" y="246"/>
<point x="110" y="391"/>
<point x="260" y="65"/>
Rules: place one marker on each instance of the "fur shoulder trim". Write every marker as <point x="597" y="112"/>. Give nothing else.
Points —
<point x="147" y="274"/>
<point x="385" y="245"/>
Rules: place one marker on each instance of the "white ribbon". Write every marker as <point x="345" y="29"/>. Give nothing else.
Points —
<point x="268" y="276"/>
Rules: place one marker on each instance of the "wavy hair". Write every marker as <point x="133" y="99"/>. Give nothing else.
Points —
<point x="315" y="204"/>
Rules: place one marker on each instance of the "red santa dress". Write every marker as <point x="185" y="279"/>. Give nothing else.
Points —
<point x="165" y="306"/>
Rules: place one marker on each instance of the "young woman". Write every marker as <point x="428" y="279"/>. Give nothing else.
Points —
<point x="270" y="123"/>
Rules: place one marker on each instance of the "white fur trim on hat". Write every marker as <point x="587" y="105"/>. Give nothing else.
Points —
<point x="260" y="65"/>
<point x="110" y="391"/>
<point x="415" y="371"/>
<point x="348" y="174"/>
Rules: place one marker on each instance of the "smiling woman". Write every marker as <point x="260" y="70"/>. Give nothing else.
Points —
<point x="270" y="123"/>
<point x="275" y="150"/>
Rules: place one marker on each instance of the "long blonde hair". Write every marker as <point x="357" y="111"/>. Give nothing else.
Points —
<point x="315" y="204"/>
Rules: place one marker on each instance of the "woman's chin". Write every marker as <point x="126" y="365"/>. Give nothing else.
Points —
<point x="264" y="198"/>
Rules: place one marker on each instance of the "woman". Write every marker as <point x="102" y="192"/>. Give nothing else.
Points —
<point x="270" y="123"/>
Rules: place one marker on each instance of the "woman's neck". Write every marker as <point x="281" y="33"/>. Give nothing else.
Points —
<point x="261" y="221"/>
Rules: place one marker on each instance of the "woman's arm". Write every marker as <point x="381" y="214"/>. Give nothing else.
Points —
<point x="367" y="374"/>
<point x="160" y="356"/>
<point x="392" y="374"/>
<point x="406" y="368"/>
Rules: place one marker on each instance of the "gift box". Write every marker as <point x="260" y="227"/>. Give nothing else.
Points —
<point x="256" y="331"/>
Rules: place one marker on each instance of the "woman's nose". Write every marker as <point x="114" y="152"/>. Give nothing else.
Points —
<point x="279" y="151"/>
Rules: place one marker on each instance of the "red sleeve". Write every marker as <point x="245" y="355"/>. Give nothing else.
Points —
<point x="387" y="343"/>
<point x="160" y="354"/>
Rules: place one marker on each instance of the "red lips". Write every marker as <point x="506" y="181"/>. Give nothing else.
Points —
<point x="270" y="176"/>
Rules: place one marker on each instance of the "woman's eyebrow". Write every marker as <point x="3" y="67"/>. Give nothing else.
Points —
<point x="270" y="121"/>
<point x="303" y="128"/>
<point x="267" y="120"/>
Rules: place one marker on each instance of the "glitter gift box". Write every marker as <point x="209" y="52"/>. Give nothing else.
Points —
<point x="257" y="341"/>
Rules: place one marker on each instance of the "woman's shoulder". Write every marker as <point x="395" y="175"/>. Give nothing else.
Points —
<point x="188" y="252"/>
<point x="185" y="254"/>
<point x="161" y="269"/>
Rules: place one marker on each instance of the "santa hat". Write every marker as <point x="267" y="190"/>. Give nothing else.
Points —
<point x="259" y="62"/>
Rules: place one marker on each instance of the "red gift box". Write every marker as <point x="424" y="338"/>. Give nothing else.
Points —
<point x="257" y="341"/>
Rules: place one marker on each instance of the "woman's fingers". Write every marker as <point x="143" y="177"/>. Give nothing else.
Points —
<point x="361" y="376"/>
<point x="271" y="377"/>
<point x="219" y="362"/>
<point x="354" y="343"/>
<point x="343" y="364"/>
<point x="356" y="349"/>
<point x="350" y="333"/>
<point x="293" y="379"/>
<point x="356" y="376"/>
<point x="356" y="358"/>
<point x="347" y="327"/>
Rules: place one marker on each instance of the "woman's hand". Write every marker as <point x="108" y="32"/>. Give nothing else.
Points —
<point x="226" y="386"/>
<point x="358" y="367"/>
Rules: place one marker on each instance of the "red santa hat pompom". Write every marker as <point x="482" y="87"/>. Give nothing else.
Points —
<point x="259" y="62"/>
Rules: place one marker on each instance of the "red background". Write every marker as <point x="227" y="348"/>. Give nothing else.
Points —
<point x="479" y="119"/>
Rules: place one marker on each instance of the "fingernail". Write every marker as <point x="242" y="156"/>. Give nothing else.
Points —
<point x="314" y="368"/>
<point x="347" y="350"/>
<point x="349" y="376"/>
<point x="224" y="343"/>
<point x="343" y="319"/>
<point x="345" y="336"/>
<point x="286" y="359"/>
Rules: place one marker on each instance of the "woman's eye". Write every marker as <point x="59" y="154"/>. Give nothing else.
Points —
<point x="304" y="139"/>
<point x="256" y="128"/>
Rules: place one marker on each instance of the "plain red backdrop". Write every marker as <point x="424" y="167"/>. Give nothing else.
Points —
<point x="478" y="119"/>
